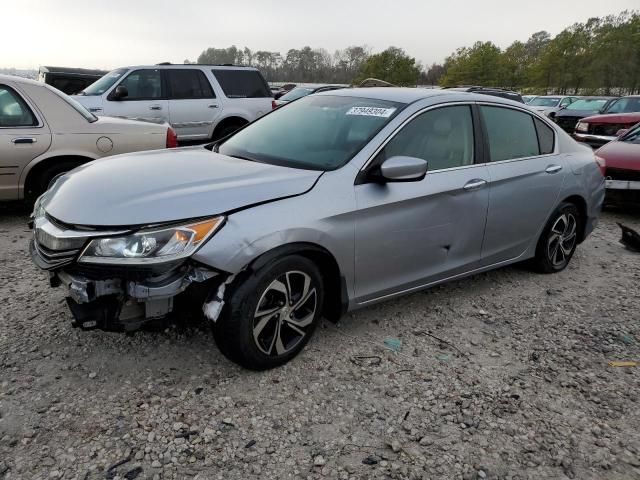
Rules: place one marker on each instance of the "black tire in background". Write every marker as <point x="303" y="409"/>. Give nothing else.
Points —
<point x="558" y="240"/>
<point x="271" y="313"/>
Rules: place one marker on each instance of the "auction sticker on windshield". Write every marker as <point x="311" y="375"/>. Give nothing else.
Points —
<point x="371" y="111"/>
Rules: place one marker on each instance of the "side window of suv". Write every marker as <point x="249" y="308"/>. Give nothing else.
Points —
<point x="443" y="137"/>
<point x="511" y="133"/>
<point x="188" y="83"/>
<point x="143" y="85"/>
<point x="14" y="112"/>
<point x="242" y="83"/>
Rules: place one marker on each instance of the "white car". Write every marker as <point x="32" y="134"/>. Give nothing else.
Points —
<point x="44" y="133"/>
<point x="549" y="104"/>
<point x="201" y="102"/>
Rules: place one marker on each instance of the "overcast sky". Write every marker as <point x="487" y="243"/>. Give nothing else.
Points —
<point x="112" y="33"/>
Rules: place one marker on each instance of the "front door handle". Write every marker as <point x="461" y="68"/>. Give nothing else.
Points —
<point x="23" y="140"/>
<point x="213" y="105"/>
<point x="553" y="168"/>
<point x="474" y="184"/>
<point x="155" y="107"/>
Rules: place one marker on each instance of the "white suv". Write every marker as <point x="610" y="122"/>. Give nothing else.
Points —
<point x="199" y="101"/>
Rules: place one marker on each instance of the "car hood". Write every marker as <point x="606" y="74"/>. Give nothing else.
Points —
<point x="630" y="118"/>
<point x="541" y="109"/>
<point x="575" y="113"/>
<point x="169" y="185"/>
<point x="621" y="155"/>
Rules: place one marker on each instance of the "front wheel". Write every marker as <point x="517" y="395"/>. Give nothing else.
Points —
<point x="271" y="315"/>
<point x="559" y="239"/>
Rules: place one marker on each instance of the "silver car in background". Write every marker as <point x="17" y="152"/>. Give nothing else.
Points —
<point x="341" y="200"/>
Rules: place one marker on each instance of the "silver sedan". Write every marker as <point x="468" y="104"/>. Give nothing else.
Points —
<point x="341" y="200"/>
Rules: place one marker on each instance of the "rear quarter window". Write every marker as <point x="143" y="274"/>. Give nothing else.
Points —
<point x="242" y="83"/>
<point x="545" y="137"/>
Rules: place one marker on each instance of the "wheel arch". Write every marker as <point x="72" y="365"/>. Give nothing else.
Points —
<point x="581" y="205"/>
<point x="336" y="297"/>
<point x="227" y="121"/>
<point x="36" y="167"/>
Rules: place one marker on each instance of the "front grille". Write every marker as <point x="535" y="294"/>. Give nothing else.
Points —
<point x="568" y="124"/>
<point x="609" y="130"/>
<point x="623" y="174"/>
<point x="49" y="259"/>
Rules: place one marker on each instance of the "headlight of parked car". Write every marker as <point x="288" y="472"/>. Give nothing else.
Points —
<point x="151" y="246"/>
<point x="582" y="127"/>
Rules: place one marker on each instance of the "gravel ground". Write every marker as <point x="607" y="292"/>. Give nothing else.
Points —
<point x="515" y="386"/>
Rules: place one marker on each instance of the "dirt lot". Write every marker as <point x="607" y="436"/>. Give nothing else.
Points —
<point x="522" y="391"/>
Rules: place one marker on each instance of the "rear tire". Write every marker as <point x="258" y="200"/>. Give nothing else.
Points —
<point x="271" y="313"/>
<point x="226" y="130"/>
<point x="558" y="240"/>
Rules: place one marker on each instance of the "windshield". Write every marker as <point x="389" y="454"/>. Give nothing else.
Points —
<point x="104" y="83"/>
<point x="90" y="117"/>
<point x="625" y="105"/>
<point x="297" y="93"/>
<point x="632" y="136"/>
<point x="315" y="133"/>
<point x="544" y="102"/>
<point x="590" y="104"/>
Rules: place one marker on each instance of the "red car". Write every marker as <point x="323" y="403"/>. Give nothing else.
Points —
<point x="621" y="159"/>
<point x="598" y="130"/>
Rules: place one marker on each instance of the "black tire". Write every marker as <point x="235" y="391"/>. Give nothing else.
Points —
<point x="44" y="179"/>
<point x="235" y="330"/>
<point x="558" y="240"/>
<point x="226" y="130"/>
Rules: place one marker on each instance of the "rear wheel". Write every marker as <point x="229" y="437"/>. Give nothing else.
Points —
<point x="226" y="130"/>
<point x="271" y="314"/>
<point x="559" y="239"/>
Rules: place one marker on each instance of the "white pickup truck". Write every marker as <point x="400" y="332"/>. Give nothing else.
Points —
<point x="199" y="101"/>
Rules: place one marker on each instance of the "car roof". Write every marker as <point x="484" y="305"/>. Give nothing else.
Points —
<point x="16" y="79"/>
<point x="190" y="65"/>
<point x="409" y="95"/>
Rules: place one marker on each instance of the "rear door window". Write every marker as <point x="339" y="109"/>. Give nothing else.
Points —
<point x="14" y="112"/>
<point x="242" y="83"/>
<point x="511" y="133"/>
<point x="188" y="83"/>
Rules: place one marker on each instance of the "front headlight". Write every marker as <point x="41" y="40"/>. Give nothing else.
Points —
<point x="582" y="127"/>
<point x="151" y="246"/>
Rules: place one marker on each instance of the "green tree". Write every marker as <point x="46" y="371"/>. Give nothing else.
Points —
<point x="393" y="65"/>
<point x="479" y="65"/>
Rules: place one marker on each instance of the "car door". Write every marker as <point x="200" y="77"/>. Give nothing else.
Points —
<point x="23" y="137"/>
<point x="146" y="98"/>
<point x="247" y="91"/>
<point x="193" y="106"/>
<point x="410" y="234"/>
<point x="526" y="178"/>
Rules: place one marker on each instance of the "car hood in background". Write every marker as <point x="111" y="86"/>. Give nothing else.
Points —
<point x="575" y="113"/>
<point x="630" y="118"/>
<point x="621" y="155"/>
<point x="169" y="185"/>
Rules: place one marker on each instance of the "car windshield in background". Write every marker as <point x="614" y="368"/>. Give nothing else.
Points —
<point x="297" y="93"/>
<point x="590" y="104"/>
<point x="632" y="136"/>
<point x="544" y="102"/>
<point x="89" y="117"/>
<point x="103" y="84"/>
<point x="625" y="105"/>
<point x="316" y="133"/>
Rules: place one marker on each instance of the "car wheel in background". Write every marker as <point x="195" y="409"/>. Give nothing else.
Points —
<point x="47" y="177"/>
<point x="559" y="239"/>
<point x="271" y="314"/>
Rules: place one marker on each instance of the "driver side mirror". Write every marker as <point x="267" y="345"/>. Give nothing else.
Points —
<point x="120" y="92"/>
<point x="402" y="169"/>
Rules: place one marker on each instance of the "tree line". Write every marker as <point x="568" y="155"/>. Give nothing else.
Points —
<point x="601" y="55"/>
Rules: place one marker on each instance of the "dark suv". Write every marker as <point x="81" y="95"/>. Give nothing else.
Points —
<point x="495" y="91"/>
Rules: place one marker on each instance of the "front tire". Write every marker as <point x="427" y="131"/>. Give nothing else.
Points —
<point x="271" y="314"/>
<point x="558" y="240"/>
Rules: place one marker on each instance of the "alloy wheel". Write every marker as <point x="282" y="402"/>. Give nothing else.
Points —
<point x="562" y="239"/>
<point x="285" y="312"/>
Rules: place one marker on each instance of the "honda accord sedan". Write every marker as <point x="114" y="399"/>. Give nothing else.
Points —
<point x="341" y="200"/>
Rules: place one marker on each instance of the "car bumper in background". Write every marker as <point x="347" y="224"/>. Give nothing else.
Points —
<point x="623" y="192"/>
<point x="595" y="141"/>
<point x="622" y="185"/>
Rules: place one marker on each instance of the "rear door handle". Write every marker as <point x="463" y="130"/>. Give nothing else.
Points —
<point x="553" y="168"/>
<point x="23" y="140"/>
<point x="213" y="105"/>
<point x="475" y="183"/>
<point x="155" y="107"/>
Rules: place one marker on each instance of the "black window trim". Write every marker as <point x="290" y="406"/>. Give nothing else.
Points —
<point x="163" y="86"/>
<point x="202" y="77"/>
<point x="513" y="107"/>
<point x="478" y="146"/>
<point x="39" y="123"/>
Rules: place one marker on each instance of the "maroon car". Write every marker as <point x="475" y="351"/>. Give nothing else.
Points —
<point x="621" y="159"/>
<point x="598" y="130"/>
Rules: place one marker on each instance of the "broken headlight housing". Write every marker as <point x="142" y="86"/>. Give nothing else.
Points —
<point x="151" y="246"/>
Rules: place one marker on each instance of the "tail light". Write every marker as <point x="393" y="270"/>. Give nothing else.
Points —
<point x="172" y="138"/>
<point x="273" y="105"/>
<point x="602" y="165"/>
